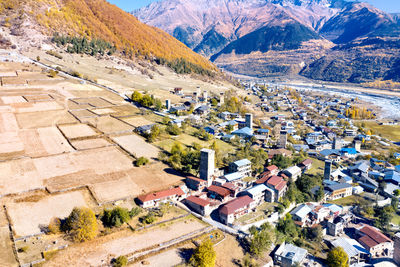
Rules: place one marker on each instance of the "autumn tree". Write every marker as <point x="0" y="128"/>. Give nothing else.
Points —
<point x="81" y="224"/>
<point x="337" y="257"/>
<point x="204" y="255"/>
<point x="261" y="241"/>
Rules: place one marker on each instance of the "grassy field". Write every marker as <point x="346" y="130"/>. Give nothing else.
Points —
<point x="188" y="140"/>
<point x="261" y="213"/>
<point x="351" y="200"/>
<point x="391" y="132"/>
<point x="396" y="219"/>
<point x="317" y="167"/>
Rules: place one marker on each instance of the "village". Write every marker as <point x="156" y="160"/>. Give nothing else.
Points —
<point x="348" y="169"/>
<point x="308" y="171"/>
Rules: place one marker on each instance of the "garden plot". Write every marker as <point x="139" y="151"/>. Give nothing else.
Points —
<point x="96" y="102"/>
<point x="103" y="111"/>
<point x="110" y="125"/>
<point x="77" y="131"/>
<point x="10" y="143"/>
<point x="13" y="81"/>
<point x="136" y="146"/>
<point x="137" y="121"/>
<point x="125" y="110"/>
<point x="39" y="106"/>
<point x="44" y="119"/>
<point x="90" y="143"/>
<point x="82" y="168"/>
<point x="82" y="113"/>
<point x="109" y="191"/>
<point x="38" y="98"/>
<point x="7" y="73"/>
<point x="12" y="99"/>
<point x="19" y="176"/>
<point x="8" y="122"/>
<point x="41" y="212"/>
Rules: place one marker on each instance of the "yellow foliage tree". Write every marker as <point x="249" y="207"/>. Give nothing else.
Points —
<point x="82" y="224"/>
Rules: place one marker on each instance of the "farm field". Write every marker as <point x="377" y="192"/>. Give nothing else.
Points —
<point x="41" y="212"/>
<point x="110" y="125"/>
<point x="392" y="132"/>
<point x="137" y="146"/>
<point x="122" y="243"/>
<point x="74" y="131"/>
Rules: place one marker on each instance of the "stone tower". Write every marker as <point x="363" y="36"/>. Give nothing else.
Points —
<point x="207" y="165"/>
<point x="249" y="120"/>
<point x="282" y="139"/>
<point x="396" y="252"/>
<point x="168" y="104"/>
<point x="328" y="169"/>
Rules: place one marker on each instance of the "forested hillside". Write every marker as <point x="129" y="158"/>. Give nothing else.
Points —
<point x="102" y="20"/>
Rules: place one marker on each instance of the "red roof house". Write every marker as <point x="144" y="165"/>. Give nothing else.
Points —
<point x="154" y="199"/>
<point x="374" y="241"/>
<point x="235" y="209"/>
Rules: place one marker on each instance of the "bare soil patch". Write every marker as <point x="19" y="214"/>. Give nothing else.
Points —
<point x="114" y="190"/>
<point x="22" y="173"/>
<point x="77" y="131"/>
<point x="13" y="81"/>
<point x="41" y="212"/>
<point x="110" y="125"/>
<point x="38" y="98"/>
<point x="96" y="102"/>
<point x="44" y="119"/>
<point x="12" y="99"/>
<point x="137" y="121"/>
<point x="83" y="113"/>
<point x="39" y="106"/>
<point x="137" y="146"/>
<point x="7" y="257"/>
<point x="90" y="143"/>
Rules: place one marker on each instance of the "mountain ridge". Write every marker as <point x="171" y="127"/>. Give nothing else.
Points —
<point x="241" y="36"/>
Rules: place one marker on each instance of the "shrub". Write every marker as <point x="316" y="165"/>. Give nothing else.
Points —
<point x="115" y="217"/>
<point x="54" y="226"/>
<point x="148" y="219"/>
<point x="141" y="161"/>
<point x="23" y="249"/>
<point x="173" y="129"/>
<point x="53" y="73"/>
<point x="120" y="261"/>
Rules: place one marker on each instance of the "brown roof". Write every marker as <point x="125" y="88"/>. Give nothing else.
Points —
<point x="219" y="190"/>
<point x="272" y="167"/>
<point x="229" y="186"/>
<point x="372" y="236"/>
<point x="262" y="180"/>
<point x="198" y="201"/>
<point x="274" y="180"/>
<point x="280" y="151"/>
<point x="307" y="162"/>
<point x="162" y="194"/>
<point x="196" y="179"/>
<point x="233" y="205"/>
<point x="281" y="185"/>
<point x="367" y="242"/>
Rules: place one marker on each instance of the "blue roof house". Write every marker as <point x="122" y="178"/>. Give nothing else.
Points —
<point x="245" y="132"/>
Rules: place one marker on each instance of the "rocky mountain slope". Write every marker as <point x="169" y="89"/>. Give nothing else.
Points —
<point x="359" y="61"/>
<point x="279" y="37"/>
<point x="34" y="22"/>
<point x="358" y="20"/>
<point x="207" y="26"/>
